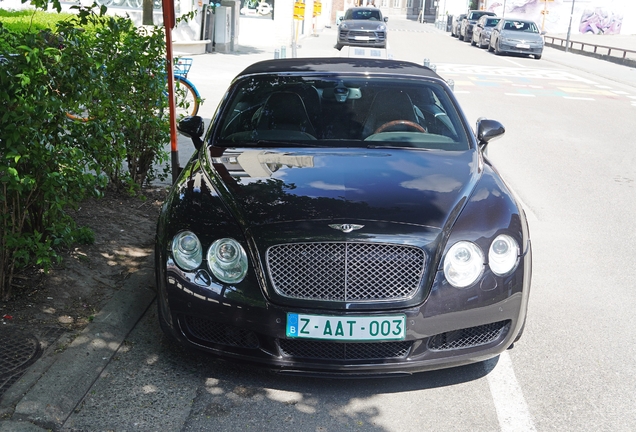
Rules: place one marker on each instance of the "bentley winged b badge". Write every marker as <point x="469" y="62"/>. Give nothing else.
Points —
<point x="346" y="228"/>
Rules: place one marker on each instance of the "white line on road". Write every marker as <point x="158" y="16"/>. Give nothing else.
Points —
<point x="515" y="63"/>
<point x="520" y="94"/>
<point x="578" y="98"/>
<point x="512" y="410"/>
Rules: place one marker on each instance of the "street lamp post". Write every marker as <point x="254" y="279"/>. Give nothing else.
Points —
<point x="567" y="40"/>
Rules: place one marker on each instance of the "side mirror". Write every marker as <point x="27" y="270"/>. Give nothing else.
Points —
<point x="488" y="130"/>
<point x="193" y="128"/>
<point x="386" y="19"/>
<point x="543" y="33"/>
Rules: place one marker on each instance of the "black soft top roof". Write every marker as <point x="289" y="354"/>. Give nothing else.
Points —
<point x="338" y="65"/>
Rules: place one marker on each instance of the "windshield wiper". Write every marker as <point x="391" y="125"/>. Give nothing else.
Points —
<point x="375" y="146"/>
<point x="285" y="144"/>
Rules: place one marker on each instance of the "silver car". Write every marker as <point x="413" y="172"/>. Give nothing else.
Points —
<point x="362" y="26"/>
<point x="482" y="31"/>
<point x="511" y="36"/>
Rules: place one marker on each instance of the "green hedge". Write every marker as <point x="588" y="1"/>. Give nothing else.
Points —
<point x="87" y="63"/>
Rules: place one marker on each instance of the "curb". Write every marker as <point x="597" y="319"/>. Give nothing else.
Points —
<point x="54" y="386"/>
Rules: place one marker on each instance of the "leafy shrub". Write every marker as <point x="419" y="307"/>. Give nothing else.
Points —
<point x="88" y="62"/>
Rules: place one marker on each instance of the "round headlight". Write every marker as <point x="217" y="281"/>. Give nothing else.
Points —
<point x="187" y="250"/>
<point x="227" y="260"/>
<point x="343" y="26"/>
<point x="463" y="264"/>
<point x="503" y="255"/>
<point x="381" y="27"/>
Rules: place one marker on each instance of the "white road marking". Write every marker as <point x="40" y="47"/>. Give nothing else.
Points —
<point x="511" y="407"/>
<point x="619" y="92"/>
<point x="514" y="62"/>
<point x="520" y="94"/>
<point x="603" y="86"/>
<point x="578" y="98"/>
<point x="503" y="71"/>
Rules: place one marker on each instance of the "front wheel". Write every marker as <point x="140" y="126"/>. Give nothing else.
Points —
<point x="187" y="99"/>
<point x="537" y="56"/>
<point x="490" y="47"/>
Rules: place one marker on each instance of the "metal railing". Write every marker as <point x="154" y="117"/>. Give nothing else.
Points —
<point x="592" y="48"/>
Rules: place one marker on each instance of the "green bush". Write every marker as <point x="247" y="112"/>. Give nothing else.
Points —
<point x="88" y="63"/>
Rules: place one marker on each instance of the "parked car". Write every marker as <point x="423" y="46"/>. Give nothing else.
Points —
<point x="456" y="24"/>
<point x="512" y="36"/>
<point x="342" y="218"/>
<point x="482" y="31"/>
<point x="362" y="26"/>
<point x="466" y="29"/>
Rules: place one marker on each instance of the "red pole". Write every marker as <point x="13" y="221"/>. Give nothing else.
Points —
<point x="169" y="21"/>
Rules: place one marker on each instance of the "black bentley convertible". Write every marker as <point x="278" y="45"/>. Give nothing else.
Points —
<point x="341" y="217"/>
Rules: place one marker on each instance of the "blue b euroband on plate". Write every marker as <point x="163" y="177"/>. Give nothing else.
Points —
<point x="359" y="328"/>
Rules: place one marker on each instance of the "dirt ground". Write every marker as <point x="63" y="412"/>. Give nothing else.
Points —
<point x="68" y="297"/>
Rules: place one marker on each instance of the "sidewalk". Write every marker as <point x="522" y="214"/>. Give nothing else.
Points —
<point x="586" y="44"/>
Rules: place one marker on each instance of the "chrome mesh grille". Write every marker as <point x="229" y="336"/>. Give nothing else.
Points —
<point x="345" y="271"/>
<point x="344" y="351"/>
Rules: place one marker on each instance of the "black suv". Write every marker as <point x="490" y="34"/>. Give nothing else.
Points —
<point x="466" y="30"/>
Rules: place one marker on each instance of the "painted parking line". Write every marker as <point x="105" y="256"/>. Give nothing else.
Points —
<point x="578" y="98"/>
<point x="512" y="410"/>
<point x="520" y="94"/>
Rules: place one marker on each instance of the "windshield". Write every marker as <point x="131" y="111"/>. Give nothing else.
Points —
<point x="363" y="14"/>
<point x="340" y="111"/>
<point x="474" y="16"/>
<point x="521" y="26"/>
<point x="491" y="22"/>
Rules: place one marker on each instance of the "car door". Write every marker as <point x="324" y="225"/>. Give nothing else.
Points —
<point x="495" y="35"/>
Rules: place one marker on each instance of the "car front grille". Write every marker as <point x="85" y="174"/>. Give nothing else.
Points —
<point x="219" y="333"/>
<point x="375" y="36"/>
<point x="468" y="337"/>
<point x="344" y="351"/>
<point x="346" y="271"/>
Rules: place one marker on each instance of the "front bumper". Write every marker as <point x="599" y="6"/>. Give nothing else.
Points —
<point x="376" y="39"/>
<point x="449" y="329"/>
<point x="519" y="48"/>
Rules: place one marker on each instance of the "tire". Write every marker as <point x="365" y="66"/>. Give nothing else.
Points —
<point x="461" y="38"/>
<point x="472" y="42"/>
<point x="489" y="48"/>
<point x="537" y="56"/>
<point x="497" y="51"/>
<point x="338" y="46"/>
<point x="187" y="98"/>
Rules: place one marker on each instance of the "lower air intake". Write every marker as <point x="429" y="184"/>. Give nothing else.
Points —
<point x="468" y="337"/>
<point x="344" y="351"/>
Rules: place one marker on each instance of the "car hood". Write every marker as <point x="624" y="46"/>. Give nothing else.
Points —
<point x="521" y="36"/>
<point x="263" y="186"/>
<point x="363" y="24"/>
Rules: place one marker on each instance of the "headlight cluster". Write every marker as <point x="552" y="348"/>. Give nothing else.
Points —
<point x="381" y="27"/>
<point x="464" y="261"/>
<point x="226" y="257"/>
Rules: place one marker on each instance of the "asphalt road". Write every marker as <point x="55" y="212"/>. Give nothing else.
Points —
<point x="568" y="153"/>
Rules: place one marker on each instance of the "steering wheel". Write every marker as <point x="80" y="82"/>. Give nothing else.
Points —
<point x="408" y="123"/>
